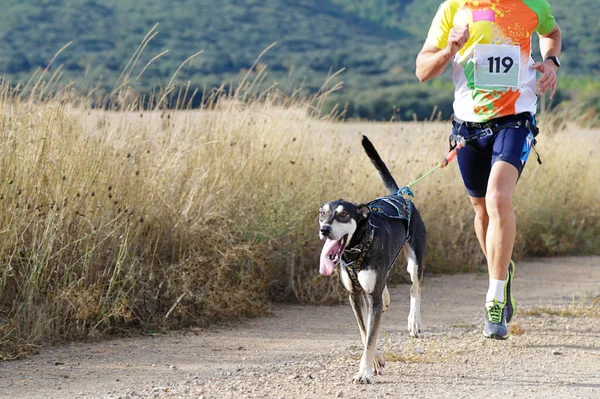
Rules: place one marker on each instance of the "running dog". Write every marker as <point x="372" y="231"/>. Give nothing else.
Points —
<point x="366" y="240"/>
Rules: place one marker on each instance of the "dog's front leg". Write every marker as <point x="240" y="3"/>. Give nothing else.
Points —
<point x="358" y="302"/>
<point x="372" y="311"/>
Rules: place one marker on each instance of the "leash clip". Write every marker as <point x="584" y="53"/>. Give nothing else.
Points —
<point x="405" y="191"/>
<point x="456" y="139"/>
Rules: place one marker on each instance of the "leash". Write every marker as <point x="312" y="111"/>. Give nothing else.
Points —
<point x="451" y="155"/>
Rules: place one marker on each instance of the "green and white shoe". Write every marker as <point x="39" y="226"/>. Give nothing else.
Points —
<point x="495" y="320"/>
<point x="509" y="299"/>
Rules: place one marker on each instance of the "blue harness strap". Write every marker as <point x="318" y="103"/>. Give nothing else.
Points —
<point x="393" y="207"/>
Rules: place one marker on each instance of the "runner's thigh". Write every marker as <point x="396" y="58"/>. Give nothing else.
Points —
<point x="513" y="145"/>
<point x="474" y="162"/>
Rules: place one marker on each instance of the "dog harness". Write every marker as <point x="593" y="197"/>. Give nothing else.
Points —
<point x="392" y="207"/>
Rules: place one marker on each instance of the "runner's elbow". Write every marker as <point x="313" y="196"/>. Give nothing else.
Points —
<point x="420" y="72"/>
<point x="422" y="78"/>
<point x="423" y="75"/>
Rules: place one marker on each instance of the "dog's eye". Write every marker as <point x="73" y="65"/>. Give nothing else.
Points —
<point x="343" y="214"/>
<point x="322" y="214"/>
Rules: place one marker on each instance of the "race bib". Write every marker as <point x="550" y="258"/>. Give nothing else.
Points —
<point x="497" y="65"/>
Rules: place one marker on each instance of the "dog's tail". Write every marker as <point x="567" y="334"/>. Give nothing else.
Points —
<point x="384" y="173"/>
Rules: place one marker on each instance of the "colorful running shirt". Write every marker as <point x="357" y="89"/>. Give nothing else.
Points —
<point x="492" y="73"/>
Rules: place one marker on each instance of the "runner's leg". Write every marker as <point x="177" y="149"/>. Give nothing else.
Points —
<point x="480" y="221"/>
<point x="502" y="225"/>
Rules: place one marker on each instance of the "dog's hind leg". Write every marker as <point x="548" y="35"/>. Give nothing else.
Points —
<point x="414" y="269"/>
<point x="414" y="316"/>
<point x="415" y="252"/>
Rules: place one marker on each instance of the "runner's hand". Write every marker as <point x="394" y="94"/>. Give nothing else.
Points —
<point x="548" y="79"/>
<point x="457" y="38"/>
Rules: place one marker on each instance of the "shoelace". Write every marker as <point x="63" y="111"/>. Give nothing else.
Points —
<point x="495" y="312"/>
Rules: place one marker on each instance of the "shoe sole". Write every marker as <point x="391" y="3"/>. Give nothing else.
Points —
<point x="509" y="292"/>
<point x="496" y="336"/>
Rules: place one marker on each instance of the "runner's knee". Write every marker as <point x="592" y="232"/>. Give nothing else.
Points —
<point x="480" y="208"/>
<point x="499" y="204"/>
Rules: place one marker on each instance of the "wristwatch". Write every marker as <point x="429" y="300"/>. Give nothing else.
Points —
<point x="554" y="60"/>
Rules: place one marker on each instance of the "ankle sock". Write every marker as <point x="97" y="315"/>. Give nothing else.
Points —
<point x="495" y="290"/>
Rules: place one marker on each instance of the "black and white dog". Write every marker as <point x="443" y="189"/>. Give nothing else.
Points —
<point x="366" y="241"/>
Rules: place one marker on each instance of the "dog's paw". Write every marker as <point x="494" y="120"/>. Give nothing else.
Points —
<point x="363" y="378"/>
<point x="414" y="334"/>
<point x="386" y="299"/>
<point x="414" y="325"/>
<point x="414" y="330"/>
<point x="378" y="364"/>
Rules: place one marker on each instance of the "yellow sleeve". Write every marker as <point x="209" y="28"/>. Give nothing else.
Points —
<point x="441" y="25"/>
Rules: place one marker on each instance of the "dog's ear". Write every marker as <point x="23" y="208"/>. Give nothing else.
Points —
<point x="363" y="211"/>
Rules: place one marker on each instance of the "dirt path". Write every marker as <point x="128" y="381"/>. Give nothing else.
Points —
<point x="311" y="352"/>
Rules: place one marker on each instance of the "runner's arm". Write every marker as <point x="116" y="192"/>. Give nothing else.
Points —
<point x="432" y="60"/>
<point x="550" y="45"/>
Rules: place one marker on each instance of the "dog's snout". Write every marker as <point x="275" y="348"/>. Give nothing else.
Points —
<point x="325" y="230"/>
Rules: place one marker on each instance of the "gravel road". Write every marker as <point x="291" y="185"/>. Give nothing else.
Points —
<point x="312" y="352"/>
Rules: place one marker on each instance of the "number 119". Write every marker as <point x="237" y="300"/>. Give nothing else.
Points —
<point x="495" y="62"/>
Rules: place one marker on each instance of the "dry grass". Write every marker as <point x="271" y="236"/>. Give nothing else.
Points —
<point x="582" y="306"/>
<point x="118" y="219"/>
<point x="558" y="203"/>
<point x="127" y="218"/>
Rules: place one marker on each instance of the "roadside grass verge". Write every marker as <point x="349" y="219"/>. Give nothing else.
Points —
<point x="582" y="306"/>
<point x="129" y="219"/>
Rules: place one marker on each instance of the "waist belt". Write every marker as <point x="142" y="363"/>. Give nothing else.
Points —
<point x="524" y="119"/>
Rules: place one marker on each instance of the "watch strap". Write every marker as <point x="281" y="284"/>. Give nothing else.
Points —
<point x="554" y="59"/>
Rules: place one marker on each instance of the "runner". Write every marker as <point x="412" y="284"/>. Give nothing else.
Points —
<point x="488" y="43"/>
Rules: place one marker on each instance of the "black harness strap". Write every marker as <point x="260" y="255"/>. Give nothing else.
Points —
<point x="353" y="267"/>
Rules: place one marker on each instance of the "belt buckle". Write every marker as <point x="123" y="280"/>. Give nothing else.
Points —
<point x="487" y="132"/>
<point x="458" y="139"/>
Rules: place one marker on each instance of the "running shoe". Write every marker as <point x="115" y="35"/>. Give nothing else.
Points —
<point x="495" y="320"/>
<point x="509" y="299"/>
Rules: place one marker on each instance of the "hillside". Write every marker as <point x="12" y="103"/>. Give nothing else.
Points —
<point x="374" y="42"/>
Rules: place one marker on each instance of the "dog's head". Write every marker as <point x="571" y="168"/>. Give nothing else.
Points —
<point x="338" y="221"/>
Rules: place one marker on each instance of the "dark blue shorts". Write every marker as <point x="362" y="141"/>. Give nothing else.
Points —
<point x="475" y="160"/>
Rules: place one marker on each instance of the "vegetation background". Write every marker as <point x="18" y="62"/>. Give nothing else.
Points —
<point x="374" y="43"/>
<point x="145" y="186"/>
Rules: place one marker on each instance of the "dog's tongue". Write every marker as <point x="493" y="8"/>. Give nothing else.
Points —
<point x="328" y="257"/>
